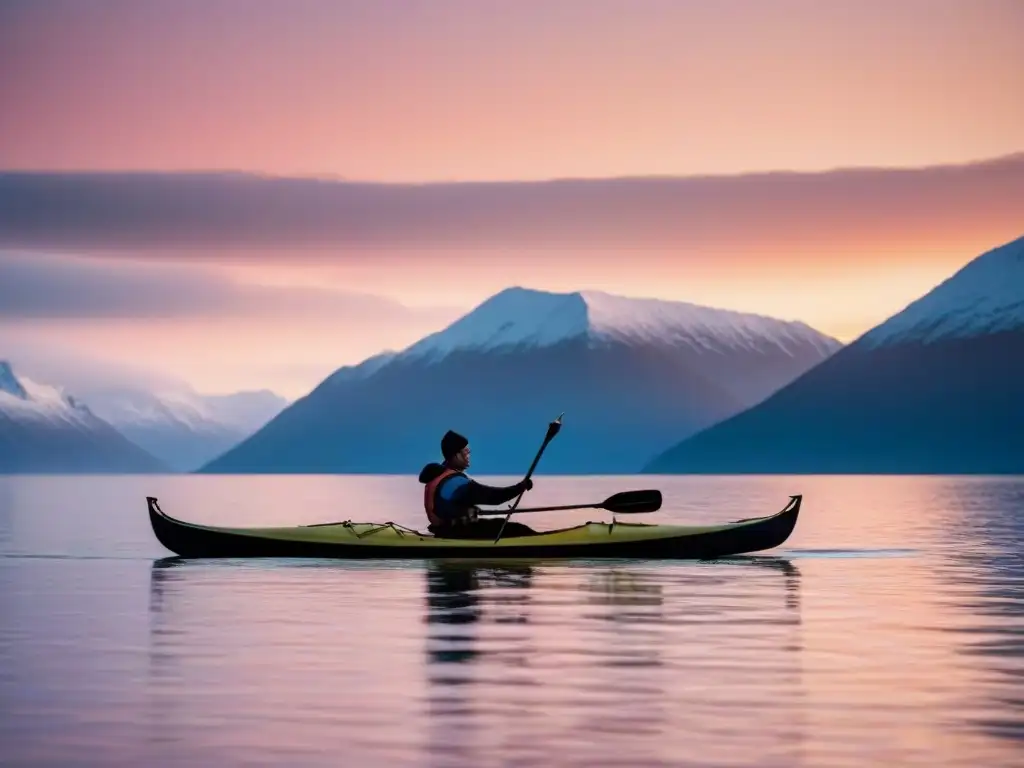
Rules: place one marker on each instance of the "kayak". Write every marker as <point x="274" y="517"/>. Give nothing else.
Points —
<point x="389" y="541"/>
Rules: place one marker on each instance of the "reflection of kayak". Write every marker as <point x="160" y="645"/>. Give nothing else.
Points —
<point x="388" y="540"/>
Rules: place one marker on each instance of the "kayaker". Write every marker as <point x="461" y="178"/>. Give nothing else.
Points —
<point x="451" y="498"/>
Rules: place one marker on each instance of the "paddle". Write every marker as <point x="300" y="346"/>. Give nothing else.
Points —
<point x="553" y="429"/>
<point x="625" y="503"/>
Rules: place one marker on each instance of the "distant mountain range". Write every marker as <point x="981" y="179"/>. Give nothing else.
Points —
<point x="184" y="429"/>
<point x="43" y="430"/>
<point x="936" y="389"/>
<point x="632" y="375"/>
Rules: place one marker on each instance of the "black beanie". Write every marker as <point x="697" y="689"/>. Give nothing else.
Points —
<point x="452" y="443"/>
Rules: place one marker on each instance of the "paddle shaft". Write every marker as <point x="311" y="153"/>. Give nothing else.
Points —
<point x="553" y="428"/>
<point x="540" y="509"/>
<point x="626" y="503"/>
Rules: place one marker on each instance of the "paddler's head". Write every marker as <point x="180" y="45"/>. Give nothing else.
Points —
<point x="455" y="449"/>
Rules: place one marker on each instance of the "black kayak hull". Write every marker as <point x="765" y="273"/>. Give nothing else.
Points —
<point x="388" y="541"/>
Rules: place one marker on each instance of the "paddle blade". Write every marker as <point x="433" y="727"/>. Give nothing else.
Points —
<point x="554" y="426"/>
<point x="633" y="502"/>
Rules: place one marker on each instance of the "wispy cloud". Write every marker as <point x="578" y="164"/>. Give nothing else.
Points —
<point x="80" y="372"/>
<point x="91" y="323"/>
<point x="45" y="286"/>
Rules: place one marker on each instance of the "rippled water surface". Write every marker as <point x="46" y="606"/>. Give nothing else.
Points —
<point x="888" y="630"/>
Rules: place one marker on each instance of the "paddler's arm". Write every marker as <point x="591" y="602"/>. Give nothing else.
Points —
<point x="470" y="493"/>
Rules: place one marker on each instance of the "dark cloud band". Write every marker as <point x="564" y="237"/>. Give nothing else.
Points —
<point x="201" y="212"/>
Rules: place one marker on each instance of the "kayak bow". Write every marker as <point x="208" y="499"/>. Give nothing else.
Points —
<point x="391" y="541"/>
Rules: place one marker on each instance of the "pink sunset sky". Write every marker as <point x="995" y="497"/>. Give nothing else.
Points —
<point x="821" y="161"/>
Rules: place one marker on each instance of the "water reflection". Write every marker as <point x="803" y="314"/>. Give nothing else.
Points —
<point x="455" y="598"/>
<point x="167" y="668"/>
<point x="532" y="656"/>
<point x="985" y="577"/>
<point x="522" y="661"/>
<point x="293" y="662"/>
<point x="158" y="578"/>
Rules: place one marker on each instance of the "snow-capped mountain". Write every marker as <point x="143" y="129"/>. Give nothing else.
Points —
<point x="747" y="355"/>
<point x="629" y="373"/>
<point x="937" y="388"/>
<point x="984" y="297"/>
<point x="43" y="430"/>
<point x="185" y="429"/>
<point x="519" y="317"/>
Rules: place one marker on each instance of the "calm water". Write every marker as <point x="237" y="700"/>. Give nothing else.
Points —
<point x="888" y="630"/>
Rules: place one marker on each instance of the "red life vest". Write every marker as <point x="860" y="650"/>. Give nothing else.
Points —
<point x="428" y="495"/>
